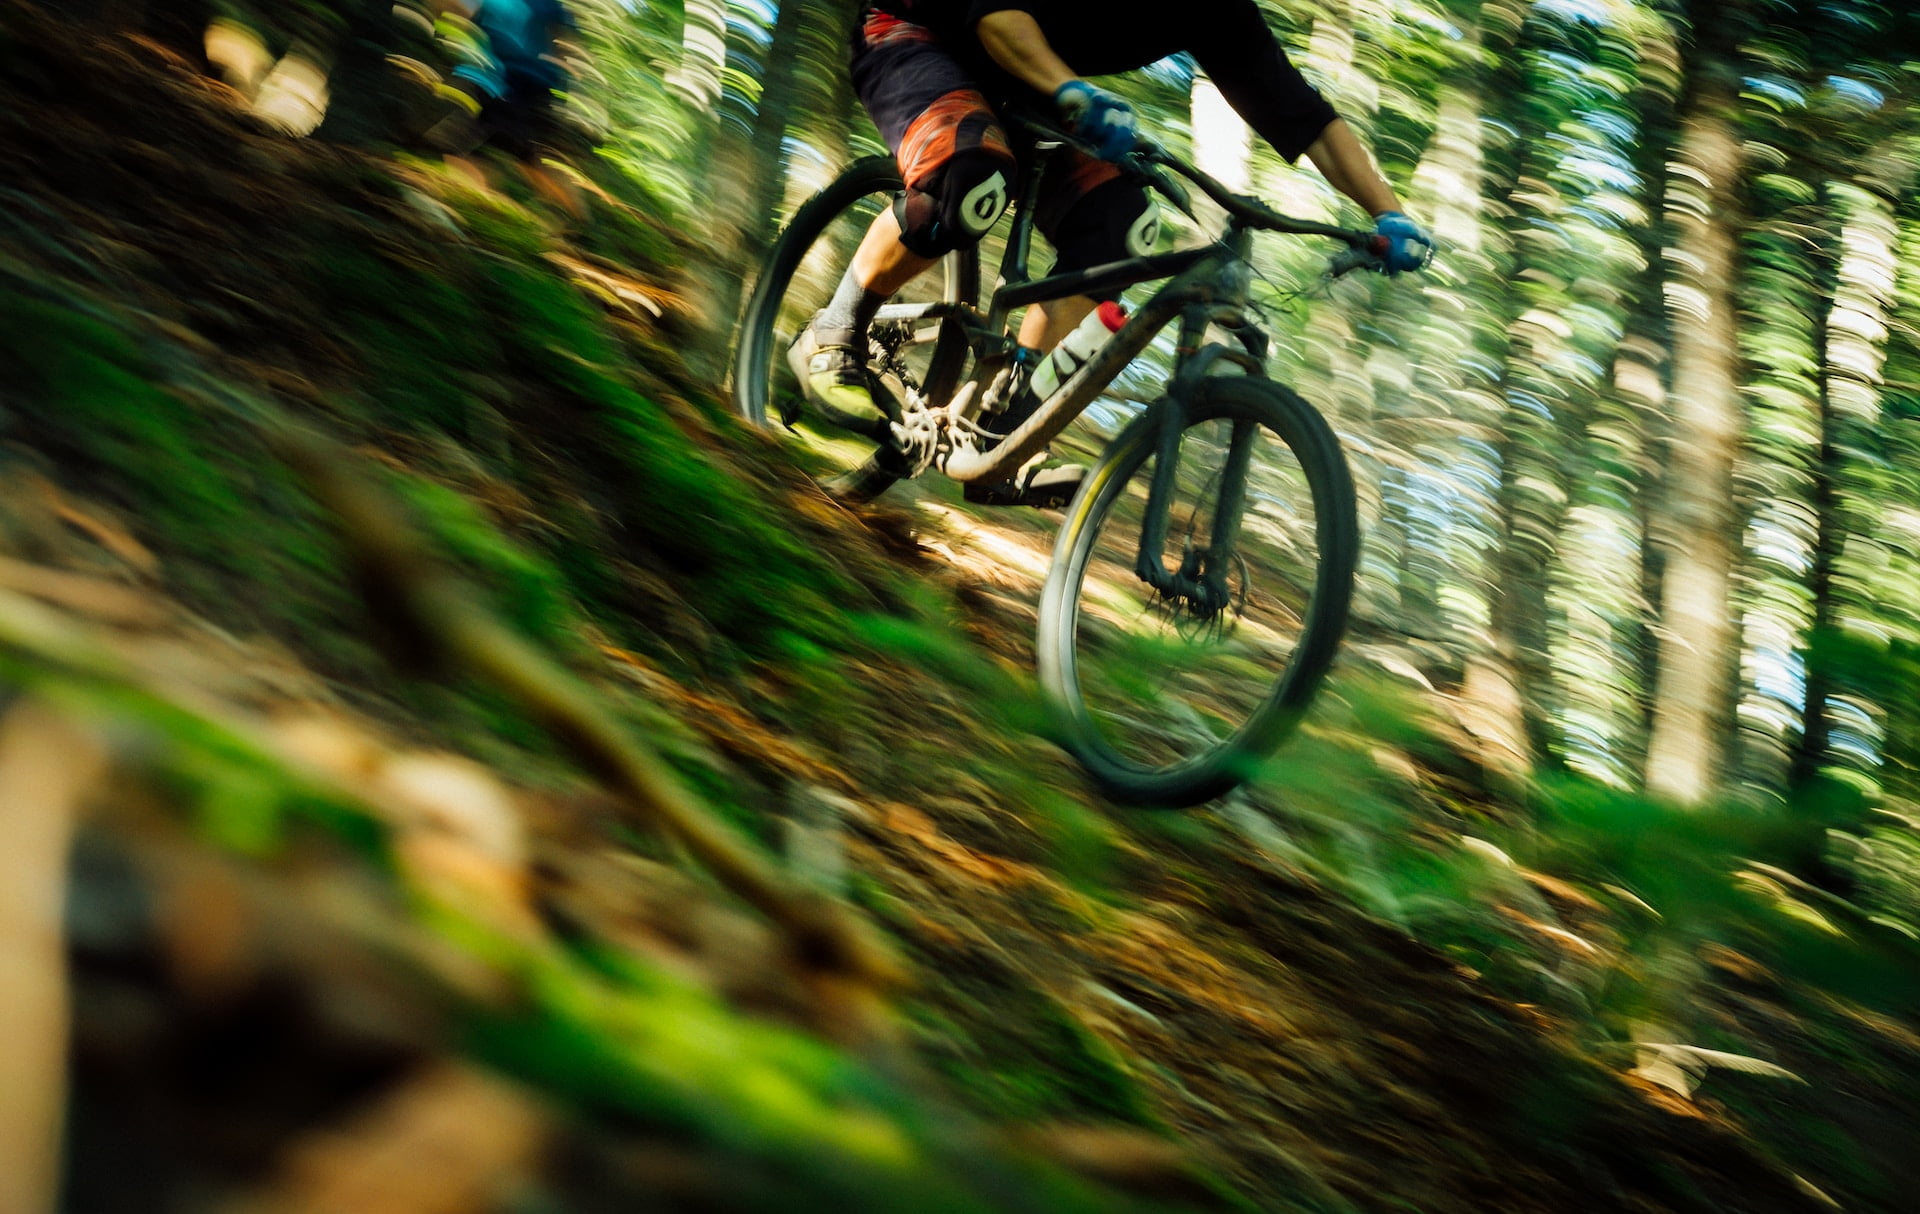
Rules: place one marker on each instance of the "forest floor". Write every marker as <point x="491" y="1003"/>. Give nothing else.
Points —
<point x="328" y="919"/>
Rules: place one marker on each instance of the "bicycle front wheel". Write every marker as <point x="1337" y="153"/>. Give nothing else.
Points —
<point x="1171" y="698"/>
<point x="797" y="280"/>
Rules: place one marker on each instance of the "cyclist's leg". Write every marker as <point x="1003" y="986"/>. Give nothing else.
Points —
<point x="882" y="263"/>
<point x="1046" y="324"/>
<point x="1092" y="215"/>
<point x="829" y="356"/>
<point x="958" y="170"/>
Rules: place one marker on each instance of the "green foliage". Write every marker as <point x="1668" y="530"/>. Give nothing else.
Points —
<point x="1027" y="1059"/>
<point x="85" y="393"/>
<point x="235" y="795"/>
<point x="417" y="332"/>
<point x="1627" y="920"/>
<point x="528" y="591"/>
<point x="90" y="392"/>
<point x="627" y="1042"/>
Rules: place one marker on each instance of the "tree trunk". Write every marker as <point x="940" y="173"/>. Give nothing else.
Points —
<point x="1692" y="692"/>
<point x="753" y="219"/>
<point x="1518" y="662"/>
<point x="1642" y="380"/>
<point x="1857" y="277"/>
<point x="703" y="53"/>
<point x="1829" y="531"/>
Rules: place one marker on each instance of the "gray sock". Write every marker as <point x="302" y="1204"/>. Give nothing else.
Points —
<point x="844" y="321"/>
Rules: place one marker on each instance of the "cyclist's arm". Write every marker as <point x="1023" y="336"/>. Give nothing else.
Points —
<point x="1014" y="41"/>
<point x="1255" y="76"/>
<point x="1344" y="161"/>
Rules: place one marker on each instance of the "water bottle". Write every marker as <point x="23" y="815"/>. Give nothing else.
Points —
<point x="1076" y="348"/>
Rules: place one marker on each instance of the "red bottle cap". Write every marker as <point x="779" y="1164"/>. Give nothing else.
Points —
<point x="1112" y="315"/>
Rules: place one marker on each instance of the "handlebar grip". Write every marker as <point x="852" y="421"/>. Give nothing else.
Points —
<point x="1370" y="256"/>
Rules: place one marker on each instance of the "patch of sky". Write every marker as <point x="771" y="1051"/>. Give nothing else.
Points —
<point x="797" y="149"/>
<point x="1569" y="68"/>
<point x="1423" y="502"/>
<point x="1861" y="750"/>
<point x="1618" y="128"/>
<point x="1437" y="492"/>
<point x="1604" y="172"/>
<point x="1177" y="70"/>
<point x="1854" y="730"/>
<point x="1558" y="230"/>
<point x="1489" y="456"/>
<point x="1857" y="91"/>
<point x="1474" y="474"/>
<point x="1584" y="12"/>
<point x="1480" y="365"/>
<point x="1599" y="217"/>
<point x="1776" y="89"/>
<point x="1529" y="402"/>
<point x="1428" y="19"/>
<point x="1865" y="16"/>
<point x="1770" y="544"/>
<point x="1588" y="368"/>
<point x="1779" y="675"/>
<point x="753" y="21"/>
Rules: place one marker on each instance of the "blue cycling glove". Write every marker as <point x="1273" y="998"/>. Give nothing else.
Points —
<point x="1408" y="245"/>
<point x="1097" y="116"/>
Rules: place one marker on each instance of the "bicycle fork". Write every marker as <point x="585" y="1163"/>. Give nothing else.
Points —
<point x="1201" y="579"/>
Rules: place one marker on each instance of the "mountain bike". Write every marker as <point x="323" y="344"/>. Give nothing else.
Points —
<point x="1169" y="680"/>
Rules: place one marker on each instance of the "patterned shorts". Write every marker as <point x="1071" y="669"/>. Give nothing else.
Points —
<point x="930" y="109"/>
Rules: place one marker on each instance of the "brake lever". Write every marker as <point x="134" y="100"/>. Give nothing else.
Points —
<point x="1168" y="184"/>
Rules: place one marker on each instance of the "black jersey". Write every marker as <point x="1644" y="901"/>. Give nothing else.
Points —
<point x="1228" y="38"/>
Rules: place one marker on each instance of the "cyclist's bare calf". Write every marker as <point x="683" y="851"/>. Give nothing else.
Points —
<point x="1046" y="323"/>
<point x="884" y="266"/>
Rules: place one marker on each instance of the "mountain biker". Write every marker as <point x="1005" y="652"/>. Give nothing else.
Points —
<point x="931" y="72"/>
<point x="509" y="67"/>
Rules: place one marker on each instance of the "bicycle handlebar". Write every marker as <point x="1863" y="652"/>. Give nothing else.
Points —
<point x="1366" y="250"/>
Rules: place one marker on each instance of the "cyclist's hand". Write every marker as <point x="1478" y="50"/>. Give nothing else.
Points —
<point x="1408" y="245"/>
<point x="1099" y="117"/>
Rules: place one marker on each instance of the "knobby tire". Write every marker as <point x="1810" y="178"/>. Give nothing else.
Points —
<point x="1213" y="766"/>
<point x="760" y="352"/>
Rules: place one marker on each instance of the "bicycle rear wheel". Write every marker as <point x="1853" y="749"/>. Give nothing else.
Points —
<point x="799" y="277"/>
<point x="1166" y="701"/>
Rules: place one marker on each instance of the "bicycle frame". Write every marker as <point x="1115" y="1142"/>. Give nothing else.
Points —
<point x="1209" y="285"/>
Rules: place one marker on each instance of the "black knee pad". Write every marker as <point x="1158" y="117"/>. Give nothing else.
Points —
<point x="1111" y="222"/>
<point x="955" y="206"/>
